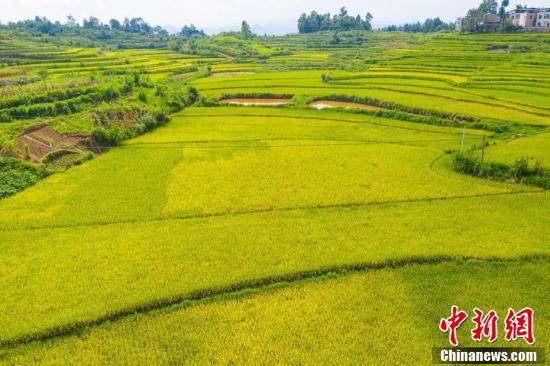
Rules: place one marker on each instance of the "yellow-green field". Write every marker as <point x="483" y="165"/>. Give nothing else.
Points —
<point x="277" y="235"/>
<point x="360" y="317"/>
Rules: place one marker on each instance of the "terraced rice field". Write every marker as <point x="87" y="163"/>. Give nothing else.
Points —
<point x="249" y="234"/>
<point x="436" y="95"/>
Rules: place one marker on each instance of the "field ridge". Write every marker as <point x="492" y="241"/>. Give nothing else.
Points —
<point x="351" y="205"/>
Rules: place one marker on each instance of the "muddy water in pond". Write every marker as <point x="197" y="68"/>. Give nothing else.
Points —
<point x="322" y="104"/>
<point x="256" y="101"/>
<point x="499" y="50"/>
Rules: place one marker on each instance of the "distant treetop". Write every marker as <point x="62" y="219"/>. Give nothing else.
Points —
<point x="44" y="25"/>
<point x="428" y="26"/>
<point x="315" y="22"/>
<point x="191" y="31"/>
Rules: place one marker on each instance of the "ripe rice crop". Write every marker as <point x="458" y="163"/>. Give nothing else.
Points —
<point x="283" y="324"/>
<point x="263" y="235"/>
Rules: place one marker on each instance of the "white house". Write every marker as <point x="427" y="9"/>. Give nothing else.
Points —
<point x="531" y="18"/>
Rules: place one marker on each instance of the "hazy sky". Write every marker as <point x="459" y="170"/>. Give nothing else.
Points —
<point x="213" y="15"/>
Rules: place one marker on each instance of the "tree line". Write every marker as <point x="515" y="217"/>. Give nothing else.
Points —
<point x="91" y="24"/>
<point x="429" y="25"/>
<point x="44" y="25"/>
<point x="315" y="22"/>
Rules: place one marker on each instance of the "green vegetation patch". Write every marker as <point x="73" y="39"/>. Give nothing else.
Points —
<point x="520" y="171"/>
<point x="16" y="175"/>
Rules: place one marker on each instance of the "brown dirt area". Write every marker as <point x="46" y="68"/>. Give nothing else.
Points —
<point x="42" y="140"/>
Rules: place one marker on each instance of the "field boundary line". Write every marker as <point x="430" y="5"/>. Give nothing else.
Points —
<point x="351" y="141"/>
<point x="174" y="144"/>
<point x="350" y="205"/>
<point x="342" y="121"/>
<point x="197" y="295"/>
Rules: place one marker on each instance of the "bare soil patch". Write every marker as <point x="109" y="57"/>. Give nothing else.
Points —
<point x="499" y="50"/>
<point x="41" y="140"/>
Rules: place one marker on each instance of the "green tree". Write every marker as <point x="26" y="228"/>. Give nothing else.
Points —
<point x="115" y="24"/>
<point x="502" y="10"/>
<point x="303" y="25"/>
<point x="476" y="16"/>
<point x="488" y="6"/>
<point x="246" y="33"/>
<point x="191" y="31"/>
<point x="504" y="21"/>
<point x="368" y="21"/>
<point x="315" y="22"/>
<point x="92" y="22"/>
<point x="193" y="46"/>
<point x="71" y="21"/>
<point x="160" y="31"/>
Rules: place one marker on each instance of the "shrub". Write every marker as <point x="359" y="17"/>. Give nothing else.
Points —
<point x="15" y="175"/>
<point x="110" y="94"/>
<point x="115" y="135"/>
<point x="112" y="134"/>
<point x="87" y="156"/>
<point x="464" y="163"/>
<point x="519" y="172"/>
<point x="148" y="123"/>
<point x="99" y="135"/>
<point x="161" y="118"/>
<point x="142" y="96"/>
<point x="520" y="168"/>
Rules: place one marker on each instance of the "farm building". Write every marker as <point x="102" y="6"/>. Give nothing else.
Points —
<point x="489" y="23"/>
<point x="459" y="24"/>
<point x="531" y="18"/>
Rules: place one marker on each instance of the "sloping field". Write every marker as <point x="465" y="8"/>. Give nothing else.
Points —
<point x="536" y="147"/>
<point x="121" y="232"/>
<point x="283" y="325"/>
<point x="264" y="235"/>
<point x="201" y="162"/>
